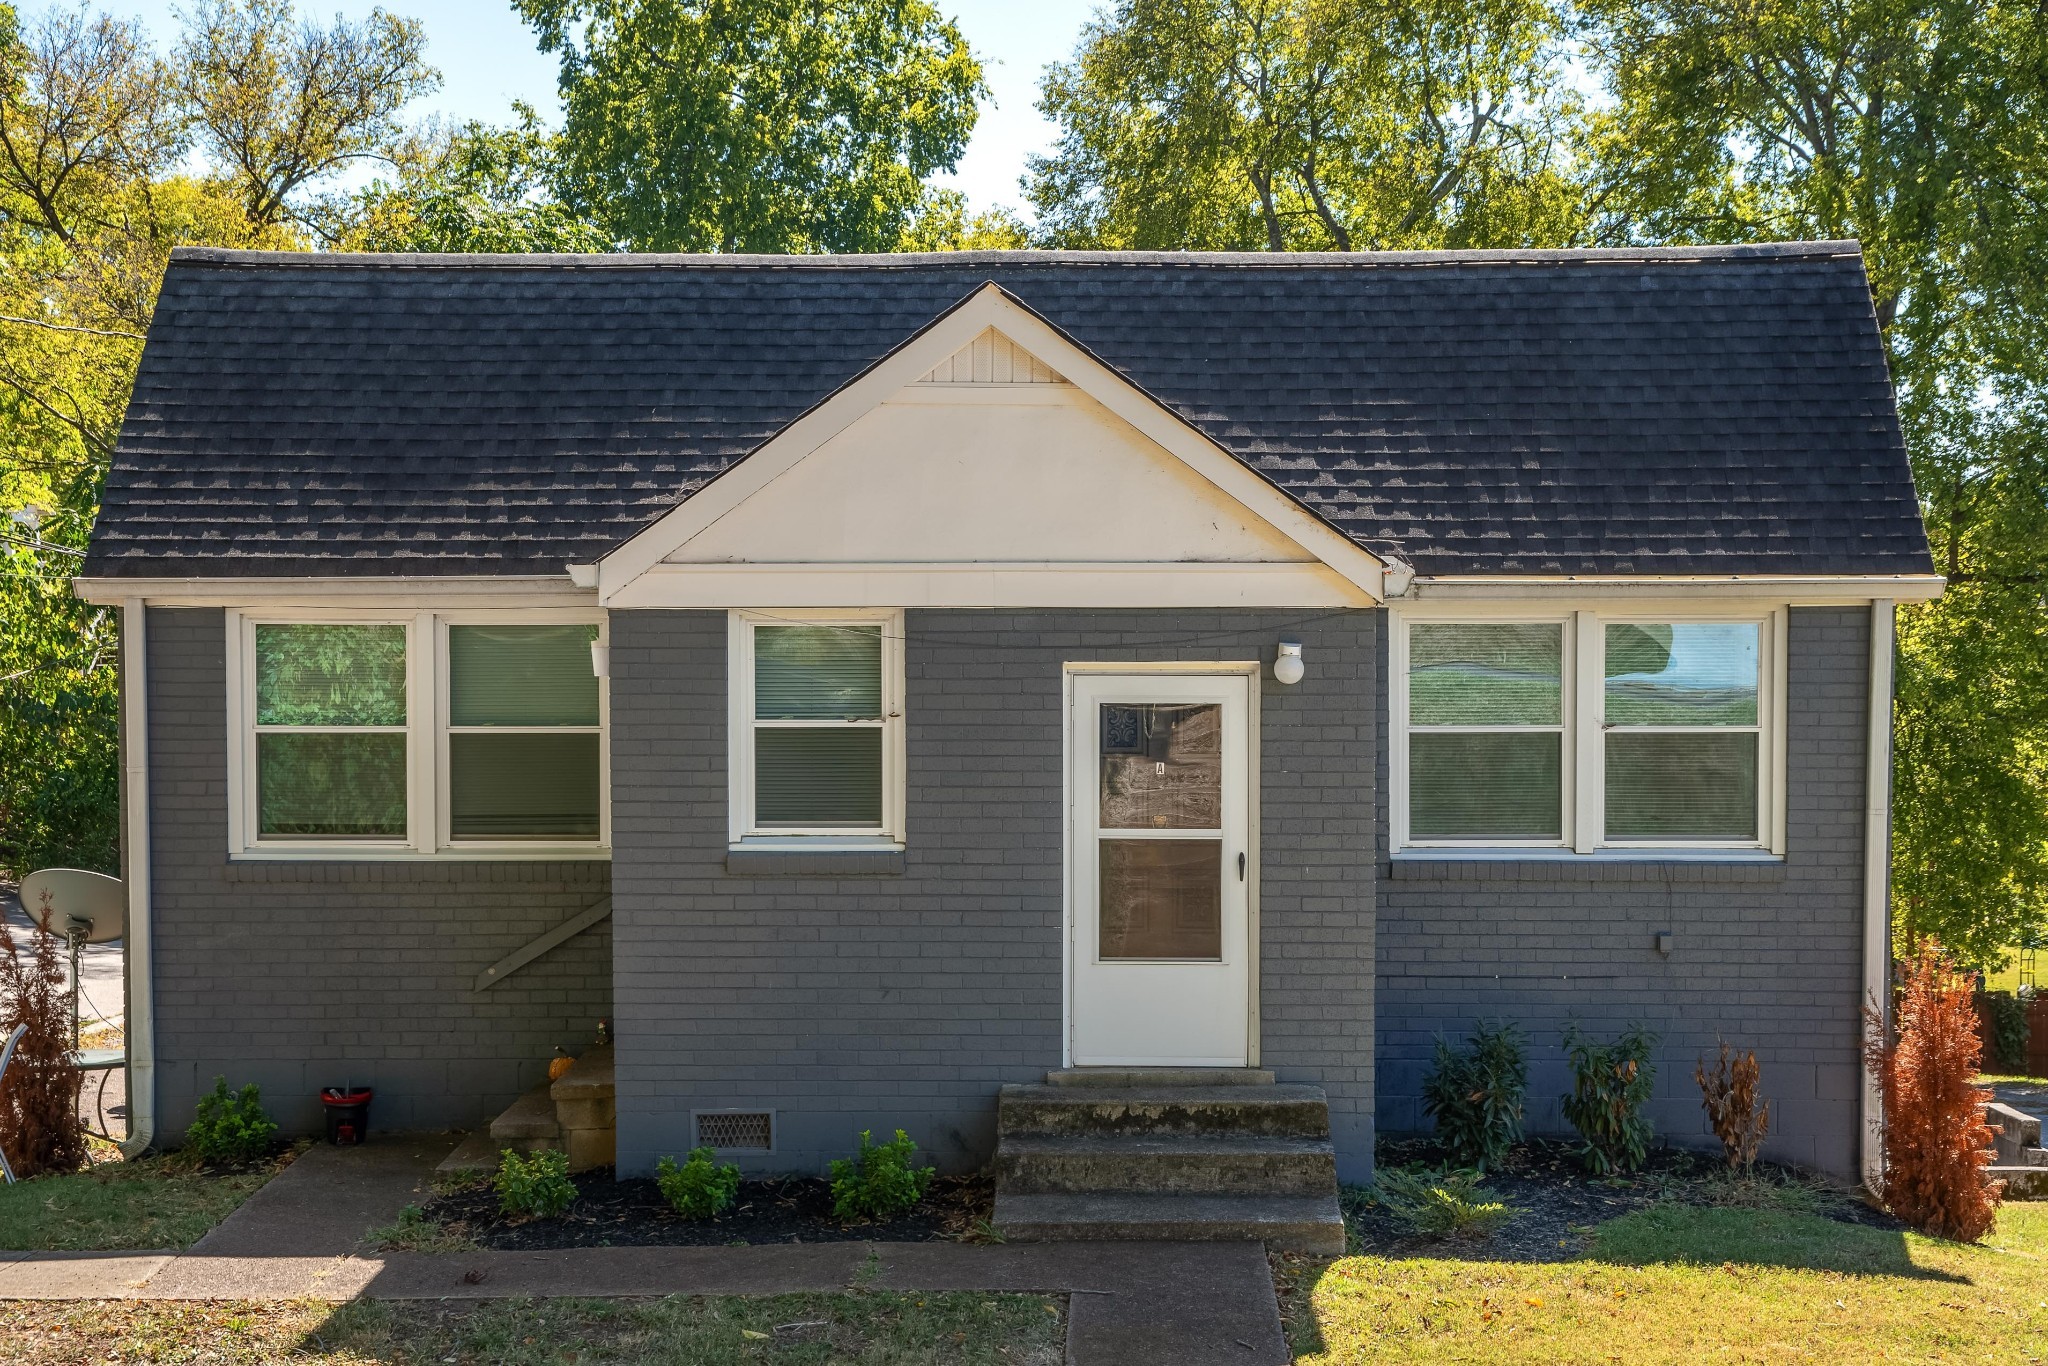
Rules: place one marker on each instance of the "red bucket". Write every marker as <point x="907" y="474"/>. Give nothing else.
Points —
<point x="348" y="1115"/>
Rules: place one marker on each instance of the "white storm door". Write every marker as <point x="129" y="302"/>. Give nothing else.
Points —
<point x="1160" y="840"/>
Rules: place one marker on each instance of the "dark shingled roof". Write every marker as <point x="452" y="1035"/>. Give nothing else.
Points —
<point x="1676" y="411"/>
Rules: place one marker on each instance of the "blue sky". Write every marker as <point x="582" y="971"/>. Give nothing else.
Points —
<point x="488" y="59"/>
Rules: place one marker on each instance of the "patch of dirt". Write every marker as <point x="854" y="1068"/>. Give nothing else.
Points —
<point x="1558" y="1203"/>
<point x="631" y="1213"/>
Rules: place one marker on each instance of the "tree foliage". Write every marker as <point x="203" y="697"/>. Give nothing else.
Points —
<point x="763" y="125"/>
<point x="1311" y="124"/>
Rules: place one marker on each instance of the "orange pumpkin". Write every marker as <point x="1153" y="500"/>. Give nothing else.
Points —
<point x="559" y="1065"/>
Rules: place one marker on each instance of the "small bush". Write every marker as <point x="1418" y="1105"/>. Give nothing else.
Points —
<point x="1475" y="1094"/>
<point x="2005" y="1031"/>
<point x="231" y="1126"/>
<point x="1440" y="1203"/>
<point x="1729" y="1096"/>
<point x="701" y="1187"/>
<point x="1936" y="1143"/>
<point x="1610" y="1085"/>
<point x="537" y="1184"/>
<point x="879" y="1180"/>
<point x="39" y="1126"/>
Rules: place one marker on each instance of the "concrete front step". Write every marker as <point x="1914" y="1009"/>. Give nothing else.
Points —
<point x="1270" y="1111"/>
<point x="2021" y="1183"/>
<point x="1166" y="1164"/>
<point x="1159" y="1076"/>
<point x="1307" y="1224"/>
<point x="475" y="1154"/>
<point x="531" y="1117"/>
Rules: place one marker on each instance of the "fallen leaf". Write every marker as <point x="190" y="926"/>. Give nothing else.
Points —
<point x="750" y="1333"/>
<point x="1536" y="1301"/>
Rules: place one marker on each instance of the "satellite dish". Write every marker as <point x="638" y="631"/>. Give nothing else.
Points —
<point x="90" y="901"/>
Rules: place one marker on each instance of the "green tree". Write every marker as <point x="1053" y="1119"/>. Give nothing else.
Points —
<point x="477" y="189"/>
<point x="756" y="125"/>
<point x="1920" y="128"/>
<point x="945" y="222"/>
<point x="1311" y="124"/>
<point x="277" y="103"/>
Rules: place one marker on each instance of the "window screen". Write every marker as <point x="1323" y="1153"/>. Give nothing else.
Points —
<point x="524" y="748"/>
<point x="818" y="723"/>
<point x="330" y="731"/>
<point x="1486" y="731"/>
<point x="1682" y="730"/>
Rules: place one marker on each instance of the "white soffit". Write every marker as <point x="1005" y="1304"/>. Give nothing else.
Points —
<point x="989" y="462"/>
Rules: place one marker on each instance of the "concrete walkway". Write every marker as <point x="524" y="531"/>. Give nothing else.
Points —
<point x="301" y="1237"/>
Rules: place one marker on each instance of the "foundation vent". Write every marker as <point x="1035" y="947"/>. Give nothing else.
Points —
<point x="749" y="1131"/>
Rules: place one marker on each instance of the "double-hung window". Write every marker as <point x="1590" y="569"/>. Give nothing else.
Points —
<point x="423" y="734"/>
<point x="1588" y="731"/>
<point x="817" y="729"/>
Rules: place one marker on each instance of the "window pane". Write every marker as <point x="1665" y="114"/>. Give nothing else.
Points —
<point x="1686" y="674"/>
<point x="1699" y="786"/>
<point x="1161" y="899"/>
<point x="335" y="786"/>
<point x="520" y="786"/>
<point x="330" y="675"/>
<point x="1490" y="786"/>
<point x="1162" y="767"/>
<point x="521" y="676"/>
<point x="1485" y="675"/>
<point x="811" y="673"/>
<point x="818" y="777"/>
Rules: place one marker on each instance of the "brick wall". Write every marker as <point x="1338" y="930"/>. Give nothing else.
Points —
<point x="1768" y="957"/>
<point x="906" y="999"/>
<point x="303" y="975"/>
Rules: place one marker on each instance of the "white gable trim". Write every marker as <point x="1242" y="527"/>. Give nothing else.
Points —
<point x="1357" y="574"/>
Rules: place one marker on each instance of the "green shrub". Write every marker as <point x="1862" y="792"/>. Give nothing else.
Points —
<point x="231" y="1126"/>
<point x="2005" y="1031"/>
<point x="1440" y="1202"/>
<point x="701" y="1187"/>
<point x="537" y="1184"/>
<point x="1610" y="1084"/>
<point x="1475" y="1094"/>
<point x="878" y="1181"/>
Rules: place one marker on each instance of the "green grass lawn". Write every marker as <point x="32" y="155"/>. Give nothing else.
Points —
<point x="1683" y="1283"/>
<point x="860" y="1328"/>
<point x="158" y="1202"/>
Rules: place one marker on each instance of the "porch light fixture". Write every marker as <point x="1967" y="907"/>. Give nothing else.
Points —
<point x="1287" y="665"/>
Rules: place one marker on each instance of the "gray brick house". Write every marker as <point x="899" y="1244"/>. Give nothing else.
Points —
<point x="871" y="682"/>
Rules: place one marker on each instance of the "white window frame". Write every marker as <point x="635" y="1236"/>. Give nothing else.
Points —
<point x="740" y="727"/>
<point x="426" y="686"/>
<point x="1584" y="776"/>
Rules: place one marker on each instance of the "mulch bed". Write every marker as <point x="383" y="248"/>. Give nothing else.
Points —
<point x="631" y="1213"/>
<point x="1558" y="1203"/>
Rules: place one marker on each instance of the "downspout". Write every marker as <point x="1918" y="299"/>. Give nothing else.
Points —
<point x="139" y="1013"/>
<point x="1877" y="850"/>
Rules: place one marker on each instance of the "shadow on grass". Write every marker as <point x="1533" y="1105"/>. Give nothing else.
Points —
<point x="1685" y="1235"/>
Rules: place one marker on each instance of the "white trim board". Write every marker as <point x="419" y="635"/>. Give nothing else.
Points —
<point x="1353" y="571"/>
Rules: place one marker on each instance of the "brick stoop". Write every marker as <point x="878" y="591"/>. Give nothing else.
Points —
<point x="1186" y="1154"/>
<point x="2022" y="1162"/>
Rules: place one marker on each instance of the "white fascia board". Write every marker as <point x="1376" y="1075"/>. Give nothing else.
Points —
<point x="1802" y="590"/>
<point x="993" y="585"/>
<point x="409" y="593"/>
<point x="896" y="372"/>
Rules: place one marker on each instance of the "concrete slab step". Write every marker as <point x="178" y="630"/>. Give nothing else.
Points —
<point x="1277" y="1111"/>
<point x="476" y="1153"/>
<point x="1159" y="1076"/>
<point x="532" y="1116"/>
<point x="1166" y="1164"/>
<point x="2021" y="1183"/>
<point x="1307" y="1224"/>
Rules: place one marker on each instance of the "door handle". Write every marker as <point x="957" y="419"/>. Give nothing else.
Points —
<point x="1240" y="867"/>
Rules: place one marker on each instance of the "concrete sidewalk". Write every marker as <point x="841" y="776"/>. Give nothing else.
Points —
<point x="301" y="1237"/>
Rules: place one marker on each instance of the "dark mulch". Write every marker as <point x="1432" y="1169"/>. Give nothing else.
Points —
<point x="1558" y="1203"/>
<point x="631" y="1213"/>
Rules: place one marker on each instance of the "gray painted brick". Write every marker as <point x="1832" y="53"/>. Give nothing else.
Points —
<point x="303" y="975"/>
